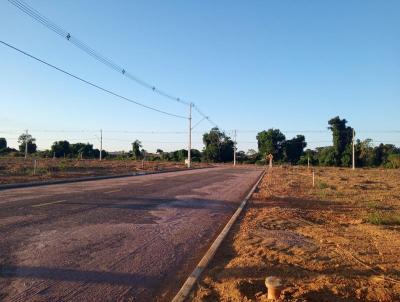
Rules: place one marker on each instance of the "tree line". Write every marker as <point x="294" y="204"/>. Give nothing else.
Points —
<point x="219" y="147"/>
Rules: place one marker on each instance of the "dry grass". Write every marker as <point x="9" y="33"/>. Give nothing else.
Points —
<point x="337" y="241"/>
<point x="16" y="170"/>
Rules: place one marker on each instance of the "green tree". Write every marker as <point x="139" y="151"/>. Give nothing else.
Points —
<point x="326" y="156"/>
<point x="196" y="155"/>
<point x="84" y="150"/>
<point x="3" y="143"/>
<point x="27" y="139"/>
<point x="271" y="142"/>
<point x="342" y="137"/>
<point x="218" y="146"/>
<point x="365" y="153"/>
<point x="294" y="148"/>
<point x="393" y="161"/>
<point x="136" y="145"/>
<point x="383" y="152"/>
<point x="61" y="148"/>
<point x="178" y="155"/>
<point x="309" y="155"/>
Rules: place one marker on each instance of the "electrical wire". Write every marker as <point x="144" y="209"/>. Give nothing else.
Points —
<point x="33" y="13"/>
<point x="90" y="83"/>
<point x="30" y="11"/>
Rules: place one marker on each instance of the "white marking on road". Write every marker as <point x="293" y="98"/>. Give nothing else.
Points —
<point x="47" y="203"/>
<point x="114" y="191"/>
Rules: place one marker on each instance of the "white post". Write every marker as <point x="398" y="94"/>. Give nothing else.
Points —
<point x="308" y="162"/>
<point x="101" y="143"/>
<point x="34" y="167"/>
<point x="190" y="137"/>
<point x="143" y="159"/>
<point x="234" y="151"/>
<point x="313" y="179"/>
<point x="26" y="144"/>
<point x="354" y="157"/>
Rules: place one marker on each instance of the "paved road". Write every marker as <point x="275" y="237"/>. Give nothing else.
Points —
<point x="126" y="239"/>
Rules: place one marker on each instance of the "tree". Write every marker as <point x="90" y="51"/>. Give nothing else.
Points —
<point x="195" y="155"/>
<point x="294" y="148"/>
<point x="3" y="143"/>
<point x="342" y="137"/>
<point x="178" y="155"/>
<point x="218" y="146"/>
<point x="365" y="153"/>
<point x="27" y="139"/>
<point x="393" y="161"/>
<point x="383" y="152"/>
<point x="271" y="142"/>
<point x="136" y="145"/>
<point x="61" y="148"/>
<point x="308" y="156"/>
<point x="326" y="156"/>
<point x="84" y="150"/>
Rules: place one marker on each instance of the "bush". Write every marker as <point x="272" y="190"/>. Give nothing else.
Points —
<point x="381" y="218"/>
<point x="322" y="185"/>
<point x="393" y="161"/>
<point x="261" y="162"/>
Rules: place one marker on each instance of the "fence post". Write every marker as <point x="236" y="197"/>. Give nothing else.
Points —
<point x="313" y="178"/>
<point x="34" y="166"/>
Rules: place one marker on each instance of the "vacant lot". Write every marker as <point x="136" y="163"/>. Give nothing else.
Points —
<point x="17" y="170"/>
<point x="338" y="241"/>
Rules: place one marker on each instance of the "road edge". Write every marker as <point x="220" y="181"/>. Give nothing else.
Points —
<point x="187" y="287"/>
<point x="89" y="178"/>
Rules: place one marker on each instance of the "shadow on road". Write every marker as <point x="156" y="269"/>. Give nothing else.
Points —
<point x="63" y="274"/>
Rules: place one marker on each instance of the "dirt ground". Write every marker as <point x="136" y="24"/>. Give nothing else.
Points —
<point x="18" y="170"/>
<point x="337" y="241"/>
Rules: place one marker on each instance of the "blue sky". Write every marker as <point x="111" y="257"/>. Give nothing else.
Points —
<point x="248" y="65"/>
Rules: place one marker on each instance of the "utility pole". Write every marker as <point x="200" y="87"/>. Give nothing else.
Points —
<point x="354" y="156"/>
<point x="190" y="136"/>
<point x="26" y="144"/>
<point x="234" y="150"/>
<point x="101" y="143"/>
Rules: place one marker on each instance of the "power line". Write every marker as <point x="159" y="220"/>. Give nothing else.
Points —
<point x="90" y="83"/>
<point x="173" y="132"/>
<point x="105" y="131"/>
<point x="30" y="11"/>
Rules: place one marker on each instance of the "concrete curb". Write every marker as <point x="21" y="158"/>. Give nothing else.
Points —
<point x="90" y="178"/>
<point x="187" y="287"/>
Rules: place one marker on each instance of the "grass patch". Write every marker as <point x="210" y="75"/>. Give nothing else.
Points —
<point x="322" y="185"/>
<point x="381" y="218"/>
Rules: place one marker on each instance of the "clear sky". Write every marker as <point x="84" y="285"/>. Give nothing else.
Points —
<point x="249" y="65"/>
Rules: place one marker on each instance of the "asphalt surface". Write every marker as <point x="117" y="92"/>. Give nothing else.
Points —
<point x="126" y="239"/>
